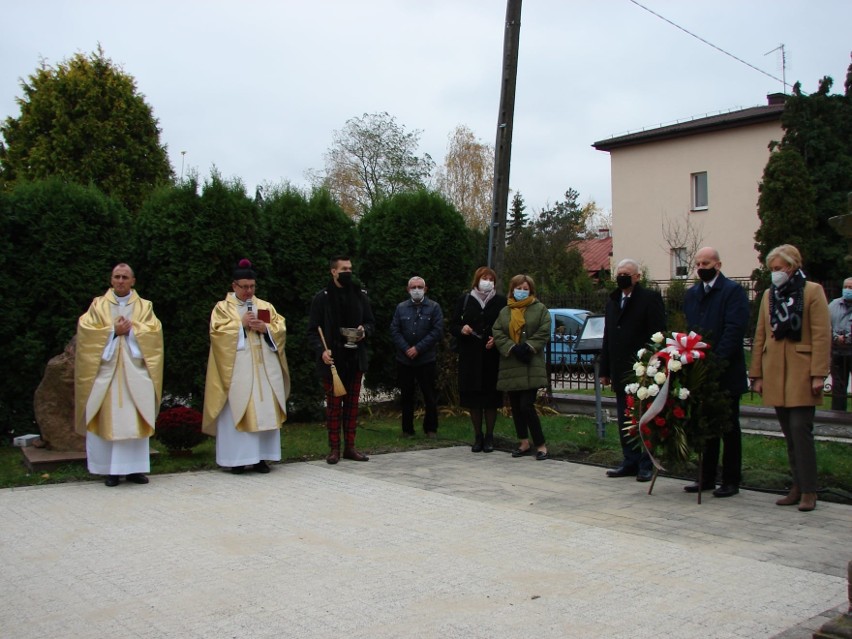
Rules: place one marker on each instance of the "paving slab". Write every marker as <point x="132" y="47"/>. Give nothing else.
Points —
<point x="433" y="543"/>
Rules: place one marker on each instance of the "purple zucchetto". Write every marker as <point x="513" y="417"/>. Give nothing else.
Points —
<point x="244" y="271"/>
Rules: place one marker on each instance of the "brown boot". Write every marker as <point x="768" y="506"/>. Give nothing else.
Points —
<point x="333" y="457"/>
<point x="808" y="502"/>
<point x="792" y="497"/>
<point x="354" y="455"/>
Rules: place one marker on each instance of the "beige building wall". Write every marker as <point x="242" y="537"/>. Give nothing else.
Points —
<point x="652" y="181"/>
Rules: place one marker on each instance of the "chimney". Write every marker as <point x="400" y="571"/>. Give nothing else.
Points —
<point x="776" y="98"/>
<point x="603" y="233"/>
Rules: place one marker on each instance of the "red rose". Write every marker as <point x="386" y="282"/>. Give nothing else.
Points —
<point x="632" y="431"/>
<point x="660" y="421"/>
<point x="645" y="430"/>
<point x="630" y="401"/>
<point x="679" y="412"/>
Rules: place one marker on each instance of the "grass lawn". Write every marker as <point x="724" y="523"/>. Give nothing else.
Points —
<point x="571" y="438"/>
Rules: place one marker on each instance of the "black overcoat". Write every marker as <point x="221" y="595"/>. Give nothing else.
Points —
<point x="478" y="366"/>
<point x="629" y="329"/>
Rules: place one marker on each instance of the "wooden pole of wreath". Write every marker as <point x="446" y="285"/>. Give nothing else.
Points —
<point x="653" y="480"/>
<point x="700" y="474"/>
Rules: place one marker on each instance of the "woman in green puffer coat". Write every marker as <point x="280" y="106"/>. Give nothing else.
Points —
<point x="521" y="333"/>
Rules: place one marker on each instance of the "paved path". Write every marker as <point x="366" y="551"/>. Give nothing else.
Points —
<point x="433" y="543"/>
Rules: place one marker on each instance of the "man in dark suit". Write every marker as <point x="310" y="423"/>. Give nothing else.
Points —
<point x="717" y="309"/>
<point x="633" y="314"/>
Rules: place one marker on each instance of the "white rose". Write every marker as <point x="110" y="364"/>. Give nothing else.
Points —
<point x="660" y="377"/>
<point x="675" y="365"/>
<point x="653" y="390"/>
<point x="651" y="371"/>
<point x="640" y="370"/>
<point x="683" y="394"/>
<point x="633" y="388"/>
<point x="641" y="353"/>
<point x="657" y="338"/>
<point x="642" y="393"/>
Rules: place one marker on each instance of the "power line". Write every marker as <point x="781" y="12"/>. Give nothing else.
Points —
<point x="731" y="55"/>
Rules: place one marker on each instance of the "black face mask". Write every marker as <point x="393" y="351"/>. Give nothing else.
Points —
<point x="624" y="281"/>
<point x="707" y="274"/>
<point x="345" y="278"/>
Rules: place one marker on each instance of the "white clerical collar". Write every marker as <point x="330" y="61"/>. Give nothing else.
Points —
<point x="122" y="301"/>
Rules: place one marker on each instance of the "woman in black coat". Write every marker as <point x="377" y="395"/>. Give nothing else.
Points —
<point x="479" y="360"/>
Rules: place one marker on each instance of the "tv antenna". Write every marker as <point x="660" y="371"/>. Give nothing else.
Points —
<point x="783" y="64"/>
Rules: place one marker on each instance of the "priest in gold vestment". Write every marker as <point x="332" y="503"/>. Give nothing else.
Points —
<point x="248" y="382"/>
<point x="118" y="380"/>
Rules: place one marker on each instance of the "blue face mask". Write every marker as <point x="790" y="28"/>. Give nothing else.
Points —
<point x="520" y="294"/>
<point x="847" y="294"/>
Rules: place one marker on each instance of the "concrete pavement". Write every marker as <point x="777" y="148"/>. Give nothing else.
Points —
<point x="432" y="543"/>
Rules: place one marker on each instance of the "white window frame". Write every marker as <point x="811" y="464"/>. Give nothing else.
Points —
<point x="679" y="264"/>
<point x="700" y="191"/>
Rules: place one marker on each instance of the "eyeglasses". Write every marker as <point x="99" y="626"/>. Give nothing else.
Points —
<point x="246" y="287"/>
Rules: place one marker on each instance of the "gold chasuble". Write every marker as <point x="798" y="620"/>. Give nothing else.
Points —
<point x="244" y="371"/>
<point x="118" y="380"/>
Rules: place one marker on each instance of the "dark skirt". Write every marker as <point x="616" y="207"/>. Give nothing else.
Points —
<point x="481" y="400"/>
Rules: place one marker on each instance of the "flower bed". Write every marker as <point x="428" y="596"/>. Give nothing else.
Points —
<point x="179" y="428"/>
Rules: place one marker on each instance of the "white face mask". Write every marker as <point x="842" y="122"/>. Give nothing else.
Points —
<point x="417" y="294"/>
<point x="779" y="278"/>
<point x="486" y="286"/>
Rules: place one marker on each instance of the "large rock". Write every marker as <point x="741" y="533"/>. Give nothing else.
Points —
<point x="54" y="403"/>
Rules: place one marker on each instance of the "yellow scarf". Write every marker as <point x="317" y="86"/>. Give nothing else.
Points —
<point x="516" y="317"/>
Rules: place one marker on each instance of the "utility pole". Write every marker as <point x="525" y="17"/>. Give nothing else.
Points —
<point x="503" y="144"/>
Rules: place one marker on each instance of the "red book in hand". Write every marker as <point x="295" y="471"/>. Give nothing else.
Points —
<point x="263" y="315"/>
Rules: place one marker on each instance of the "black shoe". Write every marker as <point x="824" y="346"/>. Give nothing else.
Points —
<point x="644" y="475"/>
<point x="477" y="445"/>
<point x="541" y="455"/>
<point x="238" y="470"/>
<point x="621" y="471"/>
<point x="261" y="467"/>
<point x="521" y="453"/>
<point x="726" y="490"/>
<point x="488" y="444"/>
<point x="137" y="478"/>
<point x="111" y="480"/>
<point x="693" y="488"/>
<point x="408" y="434"/>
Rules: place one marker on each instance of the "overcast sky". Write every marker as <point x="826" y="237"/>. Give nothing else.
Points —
<point x="257" y="88"/>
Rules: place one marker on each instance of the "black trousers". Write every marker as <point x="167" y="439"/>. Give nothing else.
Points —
<point x="732" y="453"/>
<point x="841" y="367"/>
<point x="409" y="377"/>
<point x="524" y="415"/>
<point x="797" y="424"/>
<point x="633" y="458"/>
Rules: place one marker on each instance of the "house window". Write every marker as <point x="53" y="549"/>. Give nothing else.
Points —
<point x="680" y="264"/>
<point x="700" y="201"/>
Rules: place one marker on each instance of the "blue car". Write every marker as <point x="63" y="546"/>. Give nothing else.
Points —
<point x="565" y="326"/>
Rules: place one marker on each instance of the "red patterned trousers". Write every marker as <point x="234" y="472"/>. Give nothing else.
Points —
<point x="342" y="412"/>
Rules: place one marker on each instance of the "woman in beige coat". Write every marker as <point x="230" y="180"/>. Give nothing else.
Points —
<point x="790" y="361"/>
